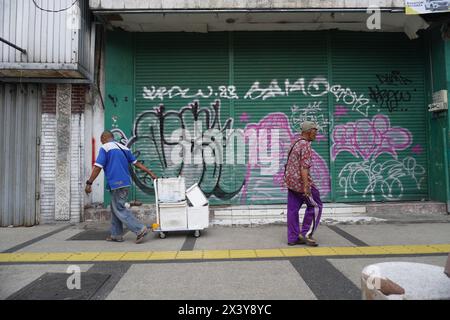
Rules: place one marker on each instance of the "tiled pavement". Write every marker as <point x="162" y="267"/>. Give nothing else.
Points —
<point x="224" y="263"/>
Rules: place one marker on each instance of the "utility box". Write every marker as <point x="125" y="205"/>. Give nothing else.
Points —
<point x="440" y="101"/>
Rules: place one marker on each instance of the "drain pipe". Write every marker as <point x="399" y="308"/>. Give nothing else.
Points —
<point x="446" y="131"/>
<point x="446" y="164"/>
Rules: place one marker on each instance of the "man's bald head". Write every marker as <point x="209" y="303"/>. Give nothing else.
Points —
<point x="106" y="136"/>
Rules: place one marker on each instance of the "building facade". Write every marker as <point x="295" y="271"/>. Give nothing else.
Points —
<point x="46" y="77"/>
<point x="251" y="72"/>
<point x="215" y="91"/>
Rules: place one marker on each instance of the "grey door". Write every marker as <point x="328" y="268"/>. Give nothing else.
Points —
<point x="19" y="128"/>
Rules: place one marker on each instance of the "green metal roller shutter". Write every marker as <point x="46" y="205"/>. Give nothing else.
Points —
<point x="366" y="90"/>
<point x="379" y="148"/>
<point x="236" y="62"/>
<point x="273" y="72"/>
<point x="170" y="69"/>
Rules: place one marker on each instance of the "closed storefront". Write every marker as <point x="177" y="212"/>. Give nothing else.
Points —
<point x="222" y="108"/>
<point x="19" y="161"/>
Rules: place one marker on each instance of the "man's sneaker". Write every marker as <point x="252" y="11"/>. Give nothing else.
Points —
<point x="298" y="241"/>
<point x="114" y="239"/>
<point x="142" y="235"/>
<point x="308" y="241"/>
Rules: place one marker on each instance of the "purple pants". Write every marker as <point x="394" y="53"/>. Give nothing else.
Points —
<point x="312" y="216"/>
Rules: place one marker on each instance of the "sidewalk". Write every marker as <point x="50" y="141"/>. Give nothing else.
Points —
<point x="252" y="262"/>
<point x="381" y="229"/>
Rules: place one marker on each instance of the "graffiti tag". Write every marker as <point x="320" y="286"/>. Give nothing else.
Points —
<point x="369" y="138"/>
<point x="313" y="112"/>
<point x="391" y="96"/>
<point x="224" y="92"/>
<point x="370" y="178"/>
<point x="393" y="78"/>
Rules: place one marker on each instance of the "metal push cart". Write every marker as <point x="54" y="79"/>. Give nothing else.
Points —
<point x="178" y="209"/>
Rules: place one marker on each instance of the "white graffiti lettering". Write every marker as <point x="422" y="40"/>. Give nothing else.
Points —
<point x="317" y="87"/>
<point x="349" y="97"/>
<point x="152" y="93"/>
<point x="370" y="177"/>
<point x="273" y="90"/>
<point x="313" y="112"/>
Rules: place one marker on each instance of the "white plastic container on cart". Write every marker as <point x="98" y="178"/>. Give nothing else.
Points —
<point x="196" y="196"/>
<point x="172" y="216"/>
<point x="198" y="213"/>
<point x="171" y="190"/>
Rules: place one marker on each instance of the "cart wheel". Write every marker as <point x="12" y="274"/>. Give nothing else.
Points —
<point x="162" y="235"/>
<point x="197" y="233"/>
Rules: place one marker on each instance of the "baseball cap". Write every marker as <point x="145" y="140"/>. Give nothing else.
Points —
<point x="308" y="125"/>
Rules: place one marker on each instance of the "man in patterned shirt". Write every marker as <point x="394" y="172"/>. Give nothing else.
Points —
<point x="301" y="189"/>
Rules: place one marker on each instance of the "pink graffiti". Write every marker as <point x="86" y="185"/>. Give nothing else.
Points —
<point x="244" y="117"/>
<point x="340" y="111"/>
<point x="321" y="137"/>
<point x="369" y="138"/>
<point x="279" y="121"/>
<point x="417" y="149"/>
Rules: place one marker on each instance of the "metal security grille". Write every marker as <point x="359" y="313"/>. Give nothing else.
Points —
<point x="279" y="76"/>
<point x="19" y="127"/>
<point x="176" y="71"/>
<point x="380" y="133"/>
<point x="366" y="91"/>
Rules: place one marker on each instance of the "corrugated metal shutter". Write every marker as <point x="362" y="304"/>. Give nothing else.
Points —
<point x="175" y="70"/>
<point x="274" y="73"/>
<point x="45" y="35"/>
<point x="366" y="90"/>
<point x="380" y="148"/>
<point x="19" y="125"/>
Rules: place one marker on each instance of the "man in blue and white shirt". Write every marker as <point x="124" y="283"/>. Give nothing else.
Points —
<point x="114" y="159"/>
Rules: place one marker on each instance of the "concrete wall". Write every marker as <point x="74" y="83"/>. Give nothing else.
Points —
<point x="62" y="155"/>
<point x="249" y="4"/>
<point x="94" y="126"/>
<point x="94" y="123"/>
<point x="48" y="167"/>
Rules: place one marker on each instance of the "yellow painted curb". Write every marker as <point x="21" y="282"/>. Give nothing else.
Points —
<point x="221" y="254"/>
<point x="216" y="254"/>
<point x="163" y="255"/>
<point x="295" y="252"/>
<point x="422" y="249"/>
<point x="441" y="247"/>
<point x="28" y="256"/>
<point x="398" y="249"/>
<point x="322" y="251"/>
<point x="6" y="257"/>
<point x="58" y="256"/>
<point x="136" y="256"/>
<point x="375" y="250"/>
<point x="237" y="254"/>
<point x="269" y="253"/>
<point x="83" y="256"/>
<point x="109" y="256"/>
<point x="351" y="251"/>
<point x="197" y="254"/>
